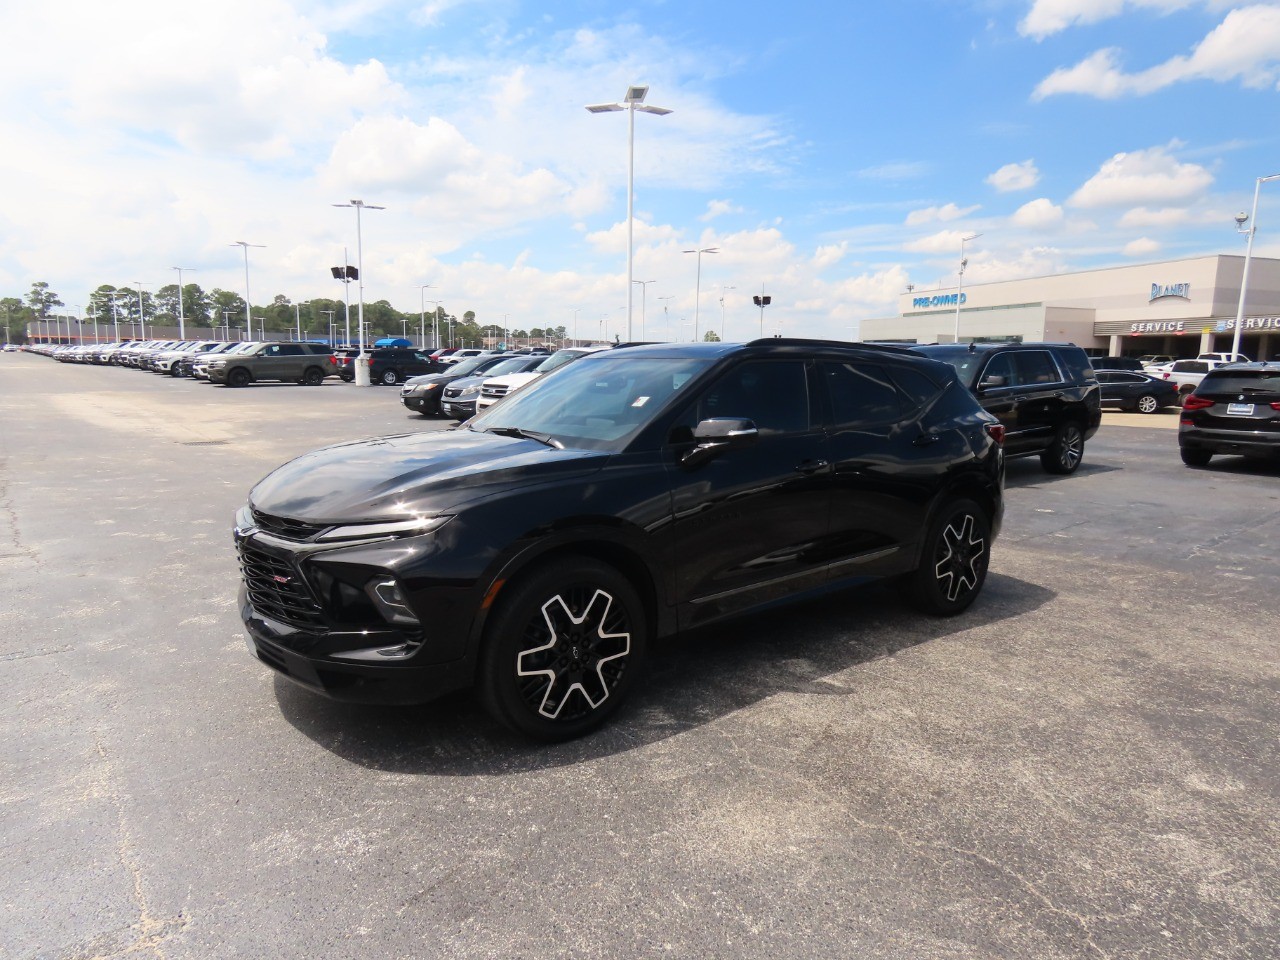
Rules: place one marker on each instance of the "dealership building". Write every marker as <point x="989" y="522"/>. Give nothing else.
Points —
<point x="1177" y="307"/>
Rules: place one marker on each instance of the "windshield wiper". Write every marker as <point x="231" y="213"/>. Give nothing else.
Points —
<point x="546" y="438"/>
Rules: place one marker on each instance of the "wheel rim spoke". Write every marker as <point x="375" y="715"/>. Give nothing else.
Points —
<point x="575" y="653"/>
<point x="961" y="552"/>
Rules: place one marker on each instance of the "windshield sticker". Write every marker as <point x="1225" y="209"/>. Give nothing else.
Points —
<point x="640" y="401"/>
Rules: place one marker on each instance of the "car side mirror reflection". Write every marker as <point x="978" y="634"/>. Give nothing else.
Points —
<point x="718" y="435"/>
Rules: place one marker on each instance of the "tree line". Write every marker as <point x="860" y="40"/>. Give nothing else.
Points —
<point x="224" y="310"/>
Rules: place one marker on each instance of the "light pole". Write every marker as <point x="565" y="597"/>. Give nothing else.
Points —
<point x="248" y="316"/>
<point x="115" y="314"/>
<point x="762" y="301"/>
<point x="362" y="360"/>
<point x="724" y="329"/>
<point x="435" y="319"/>
<point x="182" y="321"/>
<point x="697" y="296"/>
<point x="960" y="285"/>
<point x="142" y="313"/>
<point x="633" y="101"/>
<point x="262" y="325"/>
<point x="297" y="320"/>
<point x="644" y="291"/>
<point x="1241" y="220"/>
<point x="329" y="328"/>
<point x="666" y="314"/>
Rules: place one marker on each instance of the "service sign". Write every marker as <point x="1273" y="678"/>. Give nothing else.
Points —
<point x="1250" y="323"/>
<point x="1158" y="326"/>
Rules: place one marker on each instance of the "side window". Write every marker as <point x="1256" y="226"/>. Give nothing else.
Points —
<point x="860" y="393"/>
<point x="772" y="393"/>
<point x="1105" y="376"/>
<point x="272" y="351"/>
<point x="290" y="349"/>
<point x="1036" y="367"/>
<point x="918" y="388"/>
<point x="999" y="366"/>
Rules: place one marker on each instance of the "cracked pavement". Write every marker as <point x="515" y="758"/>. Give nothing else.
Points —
<point x="1083" y="765"/>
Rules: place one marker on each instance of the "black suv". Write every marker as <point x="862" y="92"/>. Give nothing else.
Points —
<point x="1045" y="394"/>
<point x="389" y="365"/>
<point x="1235" y="409"/>
<point x="536" y="552"/>
<point x="423" y="393"/>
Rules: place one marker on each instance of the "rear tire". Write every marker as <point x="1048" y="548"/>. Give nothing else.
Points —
<point x="1147" y="404"/>
<point x="562" y="650"/>
<point x="313" y="377"/>
<point x="953" y="561"/>
<point x="1063" y="456"/>
<point x="1195" y="457"/>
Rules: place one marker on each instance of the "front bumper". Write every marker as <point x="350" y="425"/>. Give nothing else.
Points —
<point x="422" y="403"/>
<point x="459" y="409"/>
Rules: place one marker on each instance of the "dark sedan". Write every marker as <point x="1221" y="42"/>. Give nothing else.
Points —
<point x="459" y="400"/>
<point x="422" y="394"/>
<point x="1136" y="391"/>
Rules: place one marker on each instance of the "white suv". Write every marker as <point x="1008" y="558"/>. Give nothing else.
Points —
<point x="491" y="391"/>
<point x="1187" y="374"/>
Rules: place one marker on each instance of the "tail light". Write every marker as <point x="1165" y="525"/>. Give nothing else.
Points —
<point x="1196" y="403"/>
<point x="1275" y="406"/>
<point x="996" y="432"/>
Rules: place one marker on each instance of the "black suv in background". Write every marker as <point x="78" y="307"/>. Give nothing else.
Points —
<point x="389" y="365"/>
<point x="422" y="394"/>
<point x="536" y="552"/>
<point x="1234" y="410"/>
<point x="1045" y="394"/>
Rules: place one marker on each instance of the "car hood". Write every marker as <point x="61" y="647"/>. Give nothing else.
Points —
<point x="390" y="478"/>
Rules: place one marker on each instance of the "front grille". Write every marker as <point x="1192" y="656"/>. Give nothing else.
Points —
<point x="497" y="390"/>
<point x="453" y="392"/>
<point x="288" y="528"/>
<point x="277" y="590"/>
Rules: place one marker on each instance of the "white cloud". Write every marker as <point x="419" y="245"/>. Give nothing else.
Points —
<point x="944" y="241"/>
<point x="1142" y="247"/>
<point x="1146" y="217"/>
<point x="829" y="254"/>
<point x="1142" y="177"/>
<point x="1047" y="17"/>
<point x="1015" y="176"/>
<point x="901" y="170"/>
<point x="944" y="213"/>
<point x="1037" y="214"/>
<point x="718" y="208"/>
<point x="1244" y="47"/>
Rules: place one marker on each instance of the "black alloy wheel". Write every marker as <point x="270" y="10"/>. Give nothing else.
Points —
<point x="1147" y="404"/>
<point x="1195" y="456"/>
<point x="239" y="377"/>
<point x="954" y="560"/>
<point x="1063" y="456"/>
<point x="390" y="377"/>
<point x="313" y="377"/>
<point x="562" y="649"/>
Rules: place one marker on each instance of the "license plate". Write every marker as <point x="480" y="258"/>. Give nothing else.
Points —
<point x="1240" y="409"/>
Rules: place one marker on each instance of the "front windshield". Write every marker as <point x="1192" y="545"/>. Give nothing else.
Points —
<point x="559" y="359"/>
<point x="599" y="404"/>
<point x="464" y="367"/>
<point x="512" y="365"/>
<point x="964" y="360"/>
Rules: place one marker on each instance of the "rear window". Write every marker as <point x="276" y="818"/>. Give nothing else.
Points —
<point x="1231" y="381"/>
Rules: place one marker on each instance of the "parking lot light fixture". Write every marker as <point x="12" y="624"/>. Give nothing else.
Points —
<point x="247" y="309"/>
<point x="1250" y="230"/>
<point x="697" y="294"/>
<point x="182" y="322"/>
<point x="362" y="359"/>
<point x="633" y="101"/>
<point x="142" y="313"/>
<point x="960" y="285"/>
<point x="435" y="319"/>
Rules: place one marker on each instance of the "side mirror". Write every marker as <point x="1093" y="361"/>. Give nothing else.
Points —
<point x="718" y="435"/>
<point x="992" y="381"/>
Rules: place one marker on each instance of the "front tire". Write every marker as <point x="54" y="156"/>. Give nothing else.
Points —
<point x="1147" y="404"/>
<point x="1195" y="457"/>
<point x="562" y="650"/>
<point x="390" y="378"/>
<point x="238" y="377"/>
<point x="953" y="562"/>
<point x="1063" y="456"/>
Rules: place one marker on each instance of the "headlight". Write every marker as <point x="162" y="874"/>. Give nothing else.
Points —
<point x="376" y="531"/>
<point x="470" y="391"/>
<point x="217" y="363"/>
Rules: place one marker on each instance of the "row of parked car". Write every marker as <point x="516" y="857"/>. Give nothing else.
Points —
<point x="240" y="363"/>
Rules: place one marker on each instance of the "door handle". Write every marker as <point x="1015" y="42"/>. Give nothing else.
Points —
<point x="810" y="467"/>
<point x="1019" y="399"/>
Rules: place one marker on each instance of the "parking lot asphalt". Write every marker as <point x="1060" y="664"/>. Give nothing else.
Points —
<point x="1082" y="765"/>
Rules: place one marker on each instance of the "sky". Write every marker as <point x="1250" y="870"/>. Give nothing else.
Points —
<point x="832" y="152"/>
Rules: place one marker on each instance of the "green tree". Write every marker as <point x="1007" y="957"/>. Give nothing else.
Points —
<point x="16" y="315"/>
<point x="42" y="299"/>
<point x="711" y="337"/>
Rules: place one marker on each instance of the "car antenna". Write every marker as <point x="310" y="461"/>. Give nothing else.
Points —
<point x="971" y="346"/>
